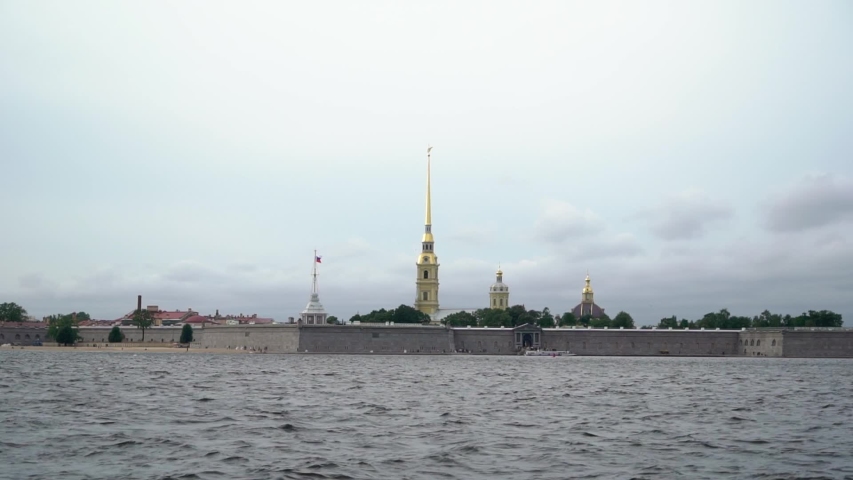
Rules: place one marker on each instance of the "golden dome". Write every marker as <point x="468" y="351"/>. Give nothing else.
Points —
<point x="587" y="288"/>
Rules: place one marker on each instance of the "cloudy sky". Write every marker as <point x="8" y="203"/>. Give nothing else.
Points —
<point x="690" y="155"/>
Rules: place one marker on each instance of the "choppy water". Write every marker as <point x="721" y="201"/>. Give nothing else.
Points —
<point x="118" y="415"/>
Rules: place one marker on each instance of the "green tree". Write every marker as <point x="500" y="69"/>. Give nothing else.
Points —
<point x="568" y="319"/>
<point x="187" y="333"/>
<point x="622" y="319"/>
<point x="460" y="319"/>
<point x="407" y="314"/>
<point x="546" y="319"/>
<point x="355" y="318"/>
<point x="669" y="322"/>
<point x="332" y="320"/>
<point x="143" y="319"/>
<point x="489" y="317"/>
<point x="825" y="318"/>
<point x="12" y="312"/>
<point x="115" y="335"/>
<point x="600" y="322"/>
<point x="63" y="329"/>
<point x="516" y="313"/>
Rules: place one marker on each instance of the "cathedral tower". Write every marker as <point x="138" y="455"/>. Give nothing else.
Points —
<point x="587" y="305"/>
<point x="499" y="292"/>
<point x="426" y="282"/>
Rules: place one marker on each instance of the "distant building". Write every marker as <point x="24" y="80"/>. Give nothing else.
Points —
<point x="161" y="317"/>
<point x="499" y="292"/>
<point x="314" y="313"/>
<point x="426" y="282"/>
<point x="587" y="305"/>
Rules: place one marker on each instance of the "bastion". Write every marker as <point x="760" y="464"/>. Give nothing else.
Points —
<point x="439" y="340"/>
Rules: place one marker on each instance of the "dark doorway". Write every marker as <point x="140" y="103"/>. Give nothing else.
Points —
<point x="527" y="340"/>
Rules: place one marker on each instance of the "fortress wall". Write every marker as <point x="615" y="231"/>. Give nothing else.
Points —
<point x="153" y="335"/>
<point x="492" y="341"/>
<point x="764" y="343"/>
<point x="23" y="335"/>
<point x="812" y="344"/>
<point x="270" y="338"/>
<point x="375" y="339"/>
<point x="642" y="342"/>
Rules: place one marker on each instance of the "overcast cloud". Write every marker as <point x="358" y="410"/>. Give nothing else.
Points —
<point x="690" y="156"/>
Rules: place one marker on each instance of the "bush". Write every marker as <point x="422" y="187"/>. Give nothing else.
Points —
<point x="187" y="333"/>
<point x="115" y="335"/>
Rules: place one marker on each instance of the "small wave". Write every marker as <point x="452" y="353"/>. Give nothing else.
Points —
<point x="235" y="459"/>
<point x="126" y="443"/>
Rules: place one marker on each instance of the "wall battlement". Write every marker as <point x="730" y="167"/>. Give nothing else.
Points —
<point x="439" y="340"/>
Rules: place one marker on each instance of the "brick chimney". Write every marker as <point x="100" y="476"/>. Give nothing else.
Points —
<point x="139" y="302"/>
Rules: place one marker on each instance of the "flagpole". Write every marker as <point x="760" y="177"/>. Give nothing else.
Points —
<point x="314" y="285"/>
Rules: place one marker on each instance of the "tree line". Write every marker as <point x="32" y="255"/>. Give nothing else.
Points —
<point x="63" y="327"/>
<point x="489" y="317"/>
<point x="726" y="321"/>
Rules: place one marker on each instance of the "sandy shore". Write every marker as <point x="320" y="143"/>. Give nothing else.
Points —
<point x="129" y="349"/>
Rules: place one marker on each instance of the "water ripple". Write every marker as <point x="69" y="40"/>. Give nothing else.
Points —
<point x="161" y="416"/>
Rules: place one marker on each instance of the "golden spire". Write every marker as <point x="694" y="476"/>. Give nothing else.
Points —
<point x="588" y="287"/>
<point x="428" y="209"/>
<point x="428" y="223"/>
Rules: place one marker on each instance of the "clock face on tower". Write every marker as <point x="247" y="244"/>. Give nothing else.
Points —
<point x="426" y="259"/>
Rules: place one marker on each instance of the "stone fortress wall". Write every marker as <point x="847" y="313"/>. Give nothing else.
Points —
<point x="642" y="342"/>
<point x="274" y="338"/>
<point x="378" y="339"/>
<point x="438" y="340"/>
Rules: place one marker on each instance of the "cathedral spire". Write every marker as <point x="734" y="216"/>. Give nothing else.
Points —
<point x="427" y="265"/>
<point x="428" y="202"/>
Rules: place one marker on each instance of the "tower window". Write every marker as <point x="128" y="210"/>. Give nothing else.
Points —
<point x="425" y="295"/>
<point x="502" y="302"/>
<point x="494" y="302"/>
<point x="426" y="274"/>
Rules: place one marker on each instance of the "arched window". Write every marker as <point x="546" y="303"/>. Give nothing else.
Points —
<point x="426" y="273"/>
<point x="752" y="343"/>
<point x="758" y="343"/>
<point x="773" y="343"/>
<point x="17" y="336"/>
<point x="27" y="336"/>
<point x="502" y="302"/>
<point x="494" y="302"/>
<point x="425" y="296"/>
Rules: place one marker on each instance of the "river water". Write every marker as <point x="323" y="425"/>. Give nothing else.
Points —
<point x="122" y="415"/>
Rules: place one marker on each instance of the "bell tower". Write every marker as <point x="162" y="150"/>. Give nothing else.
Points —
<point x="426" y="282"/>
<point x="499" y="292"/>
<point x="587" y="298"/>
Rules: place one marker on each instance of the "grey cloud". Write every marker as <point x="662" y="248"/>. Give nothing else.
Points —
<point x="686" y="215"/>
<point x="561" y="221"/>
<point x="814" y="202"/>
<point x="746" y="276"/>
<point x="476" y="236"/>
<point x="621" y="245"/>
<point x="36" y="281"/>
<point x="190" y="272"/>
